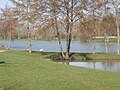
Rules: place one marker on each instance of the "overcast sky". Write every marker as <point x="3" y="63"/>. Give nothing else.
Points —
<point x="5" y="2"/>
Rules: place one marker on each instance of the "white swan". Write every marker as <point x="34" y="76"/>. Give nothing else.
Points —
<point x="27" y="49"/>
<point x="41" y="50"/>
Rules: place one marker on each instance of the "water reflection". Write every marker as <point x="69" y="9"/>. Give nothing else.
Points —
<point x="113" y="66"/>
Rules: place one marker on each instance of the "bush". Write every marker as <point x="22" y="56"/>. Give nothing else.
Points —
<point x="55" y="57"/>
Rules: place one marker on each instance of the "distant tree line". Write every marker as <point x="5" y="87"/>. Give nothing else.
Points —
<point x="61" y="19"/>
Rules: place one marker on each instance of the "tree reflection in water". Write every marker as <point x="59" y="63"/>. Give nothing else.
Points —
<point x="103" y="65"/>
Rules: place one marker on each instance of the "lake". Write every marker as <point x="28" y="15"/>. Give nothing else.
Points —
<point x="53" y="46"/>
<point x="113" y="66"/>
<point x="76" y="46"/>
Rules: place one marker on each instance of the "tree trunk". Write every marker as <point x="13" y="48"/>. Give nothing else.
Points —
<point x="28" y="28"/>
<point x="94" y="47"/>
<point x="59" y="38"/>
<point x="106" y="43"/>
<point x="118" y="36"/>
<point x="117" y="66"/>
<point x="67" y="50"/>
<point x="105" y="64"/>
<point x="68" y="44"/>
<point x="62" y="53"/>
<point x="3" y="41"/>
<point x="30" y="44"/>
<point x="94" y="65"/>
<point x="94" y="43"/>
<point x="69" y="28"/>
<point x="10" y="35"/>
<point x="30" y="47"/>
<point x="117" y="25"/>
<point x="106" y="49"/>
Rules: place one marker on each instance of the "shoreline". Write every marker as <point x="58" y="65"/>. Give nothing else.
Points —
<point x="56" y="56"/>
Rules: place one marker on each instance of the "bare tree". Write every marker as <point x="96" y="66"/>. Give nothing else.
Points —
<point x="115" y="5"/>
<point x="2" y="32"/>
<point x="53" y="7"/>
<point x="27" y="12"/>
<point x="71" y="12"/>
<point x="10" y="24"/>
<point x="4" y="28"/>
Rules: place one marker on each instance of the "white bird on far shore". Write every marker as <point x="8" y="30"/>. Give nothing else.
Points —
<point x="41" y="50"/>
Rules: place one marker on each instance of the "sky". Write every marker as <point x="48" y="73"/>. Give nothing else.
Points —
<point x="5" y="2"/>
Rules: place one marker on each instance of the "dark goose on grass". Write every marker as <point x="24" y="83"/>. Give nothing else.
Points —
<point x="2" y="62"/>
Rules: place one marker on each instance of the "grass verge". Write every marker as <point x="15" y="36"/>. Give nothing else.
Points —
<point x="22" y="71"/>
<point x="84" y="56"/>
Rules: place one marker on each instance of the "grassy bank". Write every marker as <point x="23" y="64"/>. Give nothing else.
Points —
<point x="21" y="71"/>
<point x="84" y="56"/>
<point x="100" y="56"/>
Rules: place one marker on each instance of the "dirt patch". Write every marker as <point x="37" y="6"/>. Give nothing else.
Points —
<point x="1" y="88"/>
<point x="3" y="51"/>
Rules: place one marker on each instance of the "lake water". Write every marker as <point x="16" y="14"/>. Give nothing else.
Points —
<point x="113" y="66"/>
<point x="53" y="46"/>
<point x="76" y="46"/>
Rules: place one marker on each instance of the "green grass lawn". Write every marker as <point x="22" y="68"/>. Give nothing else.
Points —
<point x="21" y="71"/>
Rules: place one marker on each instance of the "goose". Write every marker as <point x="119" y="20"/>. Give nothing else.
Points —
<point x="27" y="49"/>
<point x="41" y="50"/>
